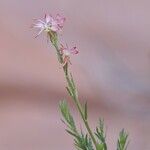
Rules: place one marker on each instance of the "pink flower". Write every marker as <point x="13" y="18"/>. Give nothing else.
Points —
<point x="66" y="52"/>
<point x="49" y="23"/>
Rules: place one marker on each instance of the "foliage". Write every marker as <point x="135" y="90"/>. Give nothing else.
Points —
<point x="122" y="141"/>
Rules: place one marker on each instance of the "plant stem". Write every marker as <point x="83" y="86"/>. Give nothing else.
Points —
<point x="54" y="40"/>
<point x="86" y="122"/>
<point x="80" y="109"/>
<point x="75" y="98"/>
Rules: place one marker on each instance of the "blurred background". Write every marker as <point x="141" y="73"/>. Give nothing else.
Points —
<point x="112" y="71"/>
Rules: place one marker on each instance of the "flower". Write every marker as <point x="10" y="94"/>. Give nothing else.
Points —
<point x="49" y="23"/>
<point x="66" y="52"/>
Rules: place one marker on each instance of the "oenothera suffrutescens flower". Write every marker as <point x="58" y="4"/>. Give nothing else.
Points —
<point x="66" y="52"/>
<point x="49" y="23"/>
<point x="52" y="25"/>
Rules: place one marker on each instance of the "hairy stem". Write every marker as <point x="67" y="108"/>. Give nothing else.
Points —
<point x="75" y="98"/>
<point x="80" y="109"/>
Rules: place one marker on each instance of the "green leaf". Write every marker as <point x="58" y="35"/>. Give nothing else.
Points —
<point x="100" y="146"/>
<point x="68" y="118"/>
<point x="72" y="81"/>
<point x="72" y="133"/>
<point x="122" y="141"/>
<point x="100" y="133"/>
<point x="69" y="91"/>
<point x="85" y="111"/>
<point x="83" y="142"/>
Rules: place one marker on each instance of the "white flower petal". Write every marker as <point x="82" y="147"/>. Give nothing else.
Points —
<point x="48" y="18"/>
<point x="39" y="32"/>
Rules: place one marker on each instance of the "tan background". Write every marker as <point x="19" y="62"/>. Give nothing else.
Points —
<point x="112" y="71"/>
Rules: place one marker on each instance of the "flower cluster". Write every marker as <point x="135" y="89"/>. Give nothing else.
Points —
<point x="55" y="24"/>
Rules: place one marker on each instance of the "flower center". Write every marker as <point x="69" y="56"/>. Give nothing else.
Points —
<point x="47" y="27"/>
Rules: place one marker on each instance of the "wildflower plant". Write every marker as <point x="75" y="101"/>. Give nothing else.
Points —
<point x="91" y="140"/>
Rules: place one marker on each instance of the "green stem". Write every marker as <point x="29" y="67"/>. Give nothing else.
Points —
<point x="75" y="98"/>
<point x="54" y="40"/>
<point x="86" y="123"/>
<point x="80" y="109"/>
